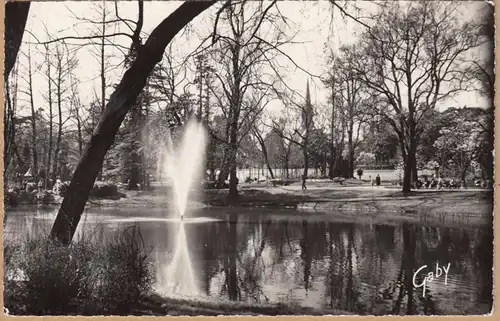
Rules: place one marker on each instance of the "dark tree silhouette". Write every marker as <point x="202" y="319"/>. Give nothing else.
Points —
<point x="120" y="102"/>
<point x="16" y="15"/>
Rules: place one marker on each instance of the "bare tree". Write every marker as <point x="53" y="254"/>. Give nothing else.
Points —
<point x="301" y="123"/>
<point x="65" y="63"/>
<point x="34" y="152"/>
<point x="10" y="111"/>
<point x="257" y="133"/>
<point x="353" y="99"/>
<point x="412" y="59"/>
<point x="48" y="97"/>
<point x="239" y="56"/>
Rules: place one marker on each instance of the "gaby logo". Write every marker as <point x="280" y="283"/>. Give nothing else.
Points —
<point x="431" y="276"/>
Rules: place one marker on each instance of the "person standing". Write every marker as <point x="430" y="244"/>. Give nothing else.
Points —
<point x="440" y="183"/>
<point x="377" y="180"/>
<point x="304" y="182"/>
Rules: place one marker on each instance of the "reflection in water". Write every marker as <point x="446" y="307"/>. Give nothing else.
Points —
<point x="178" y="277"/>
<point x="365" y="269"/>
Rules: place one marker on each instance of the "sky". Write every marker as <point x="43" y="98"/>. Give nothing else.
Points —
<point x="313" y="19"/>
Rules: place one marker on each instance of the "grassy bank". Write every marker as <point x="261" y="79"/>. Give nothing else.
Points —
<point x="156" y="305"/>
<point x="320" y="196"/>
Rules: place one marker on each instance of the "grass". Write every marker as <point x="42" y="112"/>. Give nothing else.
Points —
<point x="156" y="305"/>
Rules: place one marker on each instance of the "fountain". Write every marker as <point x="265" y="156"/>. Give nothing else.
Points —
<point x="183" y="165"/>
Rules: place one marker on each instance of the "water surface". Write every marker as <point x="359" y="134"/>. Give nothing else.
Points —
<point x="262" y="256"/>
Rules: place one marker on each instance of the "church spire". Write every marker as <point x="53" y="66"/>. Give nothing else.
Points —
<point x="307" y="112"/>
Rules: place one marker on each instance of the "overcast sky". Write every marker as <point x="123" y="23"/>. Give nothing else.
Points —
<point x="314" y="19"/>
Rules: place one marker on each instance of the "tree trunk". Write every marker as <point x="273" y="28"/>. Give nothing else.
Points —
<point x="463" y="174"/>
<point x="60" y="123"/>
<point x="34" y="153"/>
<point x="80" y="136"/>
<point x="350" y="152"/>
<point x="133" y="181"/>
<point x="262" y="144"/>
<point x="117" y="107"/>
<point x="103" y="75"/>
<point x="224" y="168"/>
<point x="233" y="149"/>
<point x="331" y="173"/>
<point x="409" y="165"/>
<point x="305" y="152"/>
<point x="51" y="123"/>
<point x="16" y="15"/>
<point x="9" y="128"/>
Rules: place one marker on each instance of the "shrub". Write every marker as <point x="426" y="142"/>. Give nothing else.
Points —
<point x="104" y="189"/>
<point x="15" y="196"/>
<point x="46" y="197"/>
<point x="63" y="189"/>
<point x="98" y="276"/>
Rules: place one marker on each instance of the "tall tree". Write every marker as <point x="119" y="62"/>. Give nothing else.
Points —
<point x="412" y="59"/>
<point x="49" y="100"/>
<point x="65" y="63"/>
<point x="118" y="105"/>
<point x="16" y="15"/>
<point x="243" y="89"/>
<point x="353" y="99"/>
<point x="34" y="152"/>
<point x="257" y="133"/>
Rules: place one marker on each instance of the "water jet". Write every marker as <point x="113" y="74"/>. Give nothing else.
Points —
<point x="183" y="165"/>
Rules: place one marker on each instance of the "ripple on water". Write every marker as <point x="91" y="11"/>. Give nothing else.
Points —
<point x="189" y="220"/>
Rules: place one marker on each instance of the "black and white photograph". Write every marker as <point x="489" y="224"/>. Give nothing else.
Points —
<point x="237" y="157"/>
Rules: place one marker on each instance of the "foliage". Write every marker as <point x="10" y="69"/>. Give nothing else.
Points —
<point x="101" y="276"/>
<point x="461" y="141"/>
<point x="104" y="189"/>
<point x="365" y="158"/>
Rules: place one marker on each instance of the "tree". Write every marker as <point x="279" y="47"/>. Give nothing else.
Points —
<point x="10" y="118"/>
<point x="34" y="152"/>
<point x="319" y="150"/>
<point x="257" y="133"/>
<point x="48" y="75"/>
<point x="463" y="139"/>
<point x="16" y="15"/>
<point x="301" y="127"/>
<point x="281" y="149"/>
<point x="64" y="65"/>
<point x="241" y="88"/>
<point x="483" y="70"/>
<point x="118" y="105"/>
<point x="353" y="99"/>
<point x="412" y="60"/>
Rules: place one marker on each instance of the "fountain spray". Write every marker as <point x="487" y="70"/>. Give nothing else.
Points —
<point x="183" y="165"/>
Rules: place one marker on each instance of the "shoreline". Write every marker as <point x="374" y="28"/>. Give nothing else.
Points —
<point x="473" y="206"/>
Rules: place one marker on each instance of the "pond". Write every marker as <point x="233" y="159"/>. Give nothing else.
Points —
<point x="282" y="256"/>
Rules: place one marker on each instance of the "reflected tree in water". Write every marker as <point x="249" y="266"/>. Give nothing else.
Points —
<point x="230" y="255"/>
<point x="343" y="291"/>
<point x="305" y="255"/>
<point x="253" y="265"/>
<point x="484" y="258"/>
